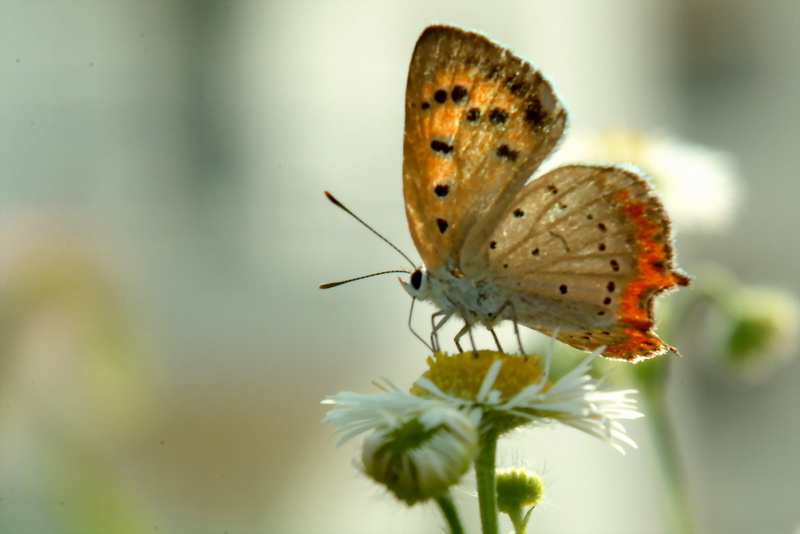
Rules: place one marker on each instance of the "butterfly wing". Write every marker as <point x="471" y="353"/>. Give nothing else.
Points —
<point x="584" y="249"/>
<point x="479" y="121"/>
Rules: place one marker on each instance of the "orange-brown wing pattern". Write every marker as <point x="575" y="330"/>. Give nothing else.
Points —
<point x="479" y="121"/>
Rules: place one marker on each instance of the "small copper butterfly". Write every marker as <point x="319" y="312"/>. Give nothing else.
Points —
<point x="581" y="251"/>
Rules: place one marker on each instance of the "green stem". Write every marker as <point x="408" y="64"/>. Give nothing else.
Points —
<point x="672" y="474"/>
<point x="485" y="480"/>
<point x="517" y="520"/>
<point x="651" y="378"/>
<point x="448" y="508"/>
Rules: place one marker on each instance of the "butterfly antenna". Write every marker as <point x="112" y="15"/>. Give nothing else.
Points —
<point x="371" y="229"/>
<point x="334" y="284"/>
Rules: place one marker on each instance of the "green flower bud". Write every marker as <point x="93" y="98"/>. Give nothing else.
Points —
<point x="518" y="489"/>
<point x="420" y="456"/>
<point x="764" y="330"/>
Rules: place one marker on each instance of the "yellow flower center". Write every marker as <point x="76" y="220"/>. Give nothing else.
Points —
<point x="461" y="375"/>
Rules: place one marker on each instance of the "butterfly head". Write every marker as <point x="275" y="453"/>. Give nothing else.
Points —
<point x="418" y="286"/>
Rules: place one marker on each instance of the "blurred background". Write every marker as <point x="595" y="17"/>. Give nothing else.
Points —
<point x="164" y="345"/>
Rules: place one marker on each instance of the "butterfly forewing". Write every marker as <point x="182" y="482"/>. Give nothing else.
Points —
<point x="479" y="121"/>
<point x="583" y="249"/>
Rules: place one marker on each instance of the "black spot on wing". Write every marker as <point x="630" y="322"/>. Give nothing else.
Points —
<point x="535" y="115"/>
<point x="514" y="84"/>
<point x="503" y="151"/>
<point x="498" y="116"/>
<point x="491" y="71"/>
<point x="458" y="93"/>
<point x="441" y="147"/>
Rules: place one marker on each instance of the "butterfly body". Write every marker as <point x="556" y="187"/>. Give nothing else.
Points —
<point x="581" y="249"/>
<point x="474" y="300"/>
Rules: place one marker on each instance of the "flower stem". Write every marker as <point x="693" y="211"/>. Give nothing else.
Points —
<point x="485" y="480"/>
<point x="517" y="520"/>
<point x="672" y="474"/>
<point x="450" y="512"/>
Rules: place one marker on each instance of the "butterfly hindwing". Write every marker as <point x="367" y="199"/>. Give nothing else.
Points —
<point x="584" y="249"/>
<point x="479" y="121"/>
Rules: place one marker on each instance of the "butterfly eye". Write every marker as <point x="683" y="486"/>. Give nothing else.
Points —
<point x="418" y="286"/>
<point x="416" y="279"/>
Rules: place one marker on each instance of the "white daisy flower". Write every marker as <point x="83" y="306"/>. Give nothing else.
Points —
<point x="512" y="391"/>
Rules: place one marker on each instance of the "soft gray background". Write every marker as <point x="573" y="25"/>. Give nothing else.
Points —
<point x="181" y="148"/>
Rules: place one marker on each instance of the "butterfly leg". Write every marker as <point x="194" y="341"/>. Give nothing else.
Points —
<point x="509" y="304"/>
<point x="466" y="330"/>
<point x="410" y="315"/>
<point x="516" y="325"/>
<point x="496" y="341"/>
<point x="436" y="326"/>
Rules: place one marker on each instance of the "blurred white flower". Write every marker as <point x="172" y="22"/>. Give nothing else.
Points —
<point x="699" y="186"/>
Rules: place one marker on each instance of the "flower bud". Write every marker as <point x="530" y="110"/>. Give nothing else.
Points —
<point x="421" y="455"/>
<point x="763" y="332"/>
<point x="518" y="489"/>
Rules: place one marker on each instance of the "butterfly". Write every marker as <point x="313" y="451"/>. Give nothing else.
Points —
<point x="580" y="251"/>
